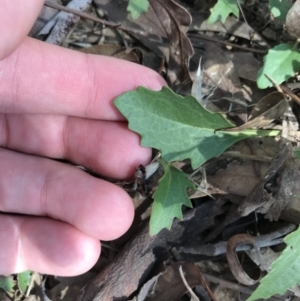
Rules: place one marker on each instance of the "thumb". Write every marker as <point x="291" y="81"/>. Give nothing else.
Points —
<point x="16" y="19"/>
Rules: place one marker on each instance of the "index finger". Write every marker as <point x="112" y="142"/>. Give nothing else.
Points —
<point x="43" y="78"/>
<point x="16" y="19"/>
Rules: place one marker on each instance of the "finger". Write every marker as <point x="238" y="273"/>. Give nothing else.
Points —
<point x="38" y="186"/>
<point x="44" y="245"/>
<point x="16" y="19"/>
<point x="106" y="147"/>
<point x="42" y="78"/>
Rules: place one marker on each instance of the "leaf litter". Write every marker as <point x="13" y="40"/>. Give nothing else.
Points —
<point x="167" y="37"/>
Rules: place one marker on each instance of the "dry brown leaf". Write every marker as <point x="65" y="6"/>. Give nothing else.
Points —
<point x="231" y="26"/>
<point x="170" y="285"/>
<point x="240" y="176"/>
<point x="245" y="63"/>
<point x="165" y="24"/>
<point x="220" y="79"/>
<point x="233" y="261"/>
<point x="265" y="111"/>
<point x="293" y="20"/>
<point x="176" y="21"/>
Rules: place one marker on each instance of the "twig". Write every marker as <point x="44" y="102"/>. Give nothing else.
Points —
<point x="199" y="36"/>
<point x="207" y="288"/>
<point x="193" y="295"/>
<point x="95" y="19"/>
<point x="278" y="88"/>
<point x="228" y="284"/>
<point x="233" y="286"/>
<point x="290" y="93"/>
<point x="246" y="22"/>
<point x="30" y="284"/>
<point x="238" y="155"/>
<point x="79" y="13"/>
<point x="261" y="241"/>
<point x="284" y="89"/>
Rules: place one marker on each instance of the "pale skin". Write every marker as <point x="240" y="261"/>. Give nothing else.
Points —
<point x="58" y="103"/>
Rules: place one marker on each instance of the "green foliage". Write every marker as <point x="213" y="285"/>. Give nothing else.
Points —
<point x="181" y="129"/>
<point x="297" y="153"/>
<point x="24" y="280"/>
<point x="280" y="8"/>
<point x="285" y="270"/>
<point x="7" y="283"/>
<point x="168" y="198"/>
<point x="222" y="9"/>
<point x="178" y="126"/>
<point x="281" y="62"/>
<point x="137" y="7"/>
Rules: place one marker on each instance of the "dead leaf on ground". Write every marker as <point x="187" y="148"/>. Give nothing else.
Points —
<point x="165" y="24"/>
<point x="170" y="286"/>
<point x="176" y="21"/>
<point x="240" y="175"/>
<point x="293" y="20"/>
<point x="245" y="63"/>
<point x="264" y="112"/>
<point x="231" y="26"/>
<point x="219" y="79"/>
<point x="287" y="198"/>
<point x="233" y="260"/>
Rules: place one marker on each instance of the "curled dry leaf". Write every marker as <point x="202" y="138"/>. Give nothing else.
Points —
<point x="293" y="20"/>
<point x="176" y="21"/>
<point x="265" y="111"/>
<point x="233" y="261"/>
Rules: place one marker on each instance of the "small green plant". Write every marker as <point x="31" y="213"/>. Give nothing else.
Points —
<point x="287" y="60"/>
<point x="285" y="270"/>
<point x="286" y="56"/>
<point x="158" y="117"/>
<point x="137" y="7"/>
<point x="19" y="283"/>
<point x="222" y="9"/>
<point x="7" y="283"/>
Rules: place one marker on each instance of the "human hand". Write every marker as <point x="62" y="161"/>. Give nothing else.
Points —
<point x="57" y="103"/>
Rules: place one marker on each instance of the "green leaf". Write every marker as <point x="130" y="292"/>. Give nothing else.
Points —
<point x="222" y="9"/>
<point x="169" y="197"/>
<point x="137" y="7"/>
<point x="297" y="153"/>
<point x="280" y="8"/>
<point x="179" y="126"/>
<point x="24" y="280"/>
<point x="281" y="62"/>
<point x="7" y="283"/>
<point x="285" y="270"/>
